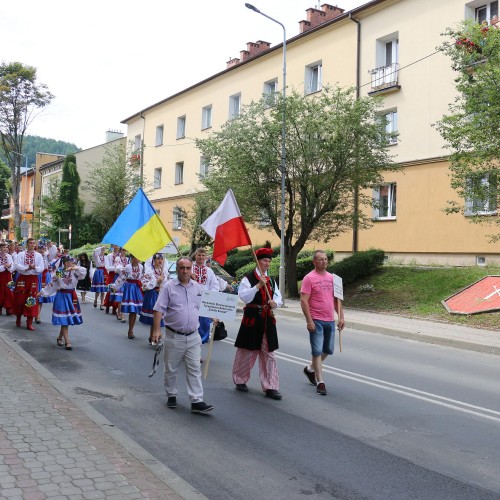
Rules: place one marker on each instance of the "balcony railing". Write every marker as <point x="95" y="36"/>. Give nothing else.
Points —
<point x="385" y="77"/>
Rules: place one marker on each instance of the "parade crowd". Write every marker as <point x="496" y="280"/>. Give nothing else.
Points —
<point x="40" y="272"/>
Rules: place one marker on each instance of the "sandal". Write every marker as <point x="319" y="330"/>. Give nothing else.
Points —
<point x="38" y="320"/>
<point x="68" y="347"/>
<point x="59" y="341"/>
<point x="131" y="336"/>
<point x="101" y="307"/>
<point x="95" y="304"/>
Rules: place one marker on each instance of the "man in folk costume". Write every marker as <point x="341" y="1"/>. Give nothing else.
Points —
<point x="203" y="275"/>
<point x="6" y="268"/>
<point x="29" y="265"/>
<point x="257" y="335"/>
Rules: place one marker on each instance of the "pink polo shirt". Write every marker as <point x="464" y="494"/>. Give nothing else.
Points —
<point x="319" y="287"/>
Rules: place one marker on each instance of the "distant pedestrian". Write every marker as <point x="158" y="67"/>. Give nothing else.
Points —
<point x="179" y="304"/>
<point x="6" y="268"/>
<point x="66" y="309"/>
<point x="318" y="303"/>
<point x="257" y="336"/>
<point x="84" y="284"/>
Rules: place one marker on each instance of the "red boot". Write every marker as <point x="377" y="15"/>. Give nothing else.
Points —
<point x="18" y="321"/>
<point x="29" y="323"/>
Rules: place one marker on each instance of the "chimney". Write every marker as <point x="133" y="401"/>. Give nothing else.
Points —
<point x="253" y="49"/>
<point x="315" y="17"/>
<point x="112" y="135"/>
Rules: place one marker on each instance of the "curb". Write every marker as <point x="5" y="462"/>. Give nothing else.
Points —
<point x="161" y="471"/>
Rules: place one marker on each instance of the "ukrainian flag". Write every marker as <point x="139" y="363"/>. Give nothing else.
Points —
<point x="138" y="229"/>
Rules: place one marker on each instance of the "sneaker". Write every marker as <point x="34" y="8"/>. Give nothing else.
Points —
<point x="321" y="389"/>
<point x="242" y="387"/>
<point x="172" y="402"/>
<point x="201" y="407"/>
<point x="311" y="376"/>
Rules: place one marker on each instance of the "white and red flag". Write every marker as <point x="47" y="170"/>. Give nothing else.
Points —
<point x="227" y="228"/>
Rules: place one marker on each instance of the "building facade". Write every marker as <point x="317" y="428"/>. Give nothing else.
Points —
<point x="385" y="47"/>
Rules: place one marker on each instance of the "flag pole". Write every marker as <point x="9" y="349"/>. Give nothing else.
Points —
<point x="210" y="346"/>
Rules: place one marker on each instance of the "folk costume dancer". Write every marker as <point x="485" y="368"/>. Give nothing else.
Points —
<point x="84" y="284"/>
<point x="109" y="264"/>
<point x="29" y="265"/>
<point x="257" y="335"/>
<point x="120" y="262"/>
<point x="203" y="275"/>
<point x="152" y="281"/>
<point x="99" y="286"/>
<point x="43" y="278"/>
<point x="66" y="309"/>
<point x="6" y="267"/>
<point x="130" y="279"/>
<point x="13" y="253"/>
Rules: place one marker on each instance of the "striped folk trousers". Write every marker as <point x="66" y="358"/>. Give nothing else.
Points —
<point x="268" y="370"/>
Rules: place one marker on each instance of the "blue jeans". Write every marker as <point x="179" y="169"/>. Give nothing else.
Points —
<point x="323" y="337"/>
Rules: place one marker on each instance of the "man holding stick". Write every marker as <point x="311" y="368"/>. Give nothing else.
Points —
<point x="179" y="303"/>
<point x="257" y="335"/>
<point x="318" y="303"/>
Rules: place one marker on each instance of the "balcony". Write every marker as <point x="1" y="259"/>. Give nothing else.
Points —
<point x="384" y="79"/>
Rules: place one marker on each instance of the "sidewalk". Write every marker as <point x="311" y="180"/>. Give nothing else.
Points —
<point x="53" y="444"/>
<point x="463" y="337"/>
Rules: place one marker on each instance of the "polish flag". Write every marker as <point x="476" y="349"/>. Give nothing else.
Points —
<point x="227" y="228"/>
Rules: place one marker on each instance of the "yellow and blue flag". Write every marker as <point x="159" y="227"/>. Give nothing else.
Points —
<point x="139" y="229"/>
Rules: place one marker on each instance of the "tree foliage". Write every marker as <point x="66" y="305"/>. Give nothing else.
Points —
<point x="334" y="142"/>
<point x="113" y="183"/>
<point x="21" y="97"/>
<point x="472" y="128"/>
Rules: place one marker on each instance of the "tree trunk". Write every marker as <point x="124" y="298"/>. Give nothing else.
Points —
<point x="291" y="273"/>
<point x="15" y="196"/>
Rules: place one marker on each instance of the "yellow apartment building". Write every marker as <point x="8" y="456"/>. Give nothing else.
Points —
<point x="385" y="47"/>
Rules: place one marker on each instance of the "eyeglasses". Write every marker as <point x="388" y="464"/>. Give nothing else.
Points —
<point x="184" y="267"/>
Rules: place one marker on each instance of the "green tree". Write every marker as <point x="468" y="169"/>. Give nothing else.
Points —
<point x="472" y="128"/>
<point x="333" y="143"/>
<point x="113" y="183"/>
<point x="21" y="97"/>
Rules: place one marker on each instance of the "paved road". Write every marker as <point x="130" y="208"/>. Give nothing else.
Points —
<point x="402" y="419"/>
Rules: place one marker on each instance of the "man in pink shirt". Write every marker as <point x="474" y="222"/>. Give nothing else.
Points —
<point x="318" y="303"/>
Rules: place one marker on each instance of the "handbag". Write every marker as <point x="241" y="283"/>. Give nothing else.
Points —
<point x="220" y="332"/>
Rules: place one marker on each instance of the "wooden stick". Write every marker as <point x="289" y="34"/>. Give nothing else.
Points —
<point x="210" y="345"/>
<point x="340" y="339"/>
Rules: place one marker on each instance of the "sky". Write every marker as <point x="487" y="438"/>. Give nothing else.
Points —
<point x="105" y="60"/>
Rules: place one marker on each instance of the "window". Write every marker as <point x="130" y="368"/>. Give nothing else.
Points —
<point x="177" y="218"/>
<point x="203" y="167"/>
<point x="387" y="60"/>
<point x="206" y="117"/>
<point x="137" y="142"/>
<point x="313" y="78"/>
<point x="391" y="126"/>
<point x="482" y="195"/>
<point x="157" y="178"/>
<point x="269" y="94"/>
<point x="181" y="127"/>
<point x="159" y="135"/>
<point x="385" y="202"/>
<point x="179" y="172"/>
<point x="234" y="106"/>
<point x="486" y="12"/>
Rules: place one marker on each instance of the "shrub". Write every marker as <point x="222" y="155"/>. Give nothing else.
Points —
<point x="358" y="265"/>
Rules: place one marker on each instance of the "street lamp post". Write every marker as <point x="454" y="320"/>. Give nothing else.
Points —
<point x="283" y="154"/>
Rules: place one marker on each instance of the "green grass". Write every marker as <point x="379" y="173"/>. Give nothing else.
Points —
<point x="418" y="292"/>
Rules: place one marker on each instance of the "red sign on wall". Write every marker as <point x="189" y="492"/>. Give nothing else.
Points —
<point x="481" y="296"/>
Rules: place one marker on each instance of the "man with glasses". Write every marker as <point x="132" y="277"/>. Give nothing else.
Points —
<point x="179" y="304"/>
